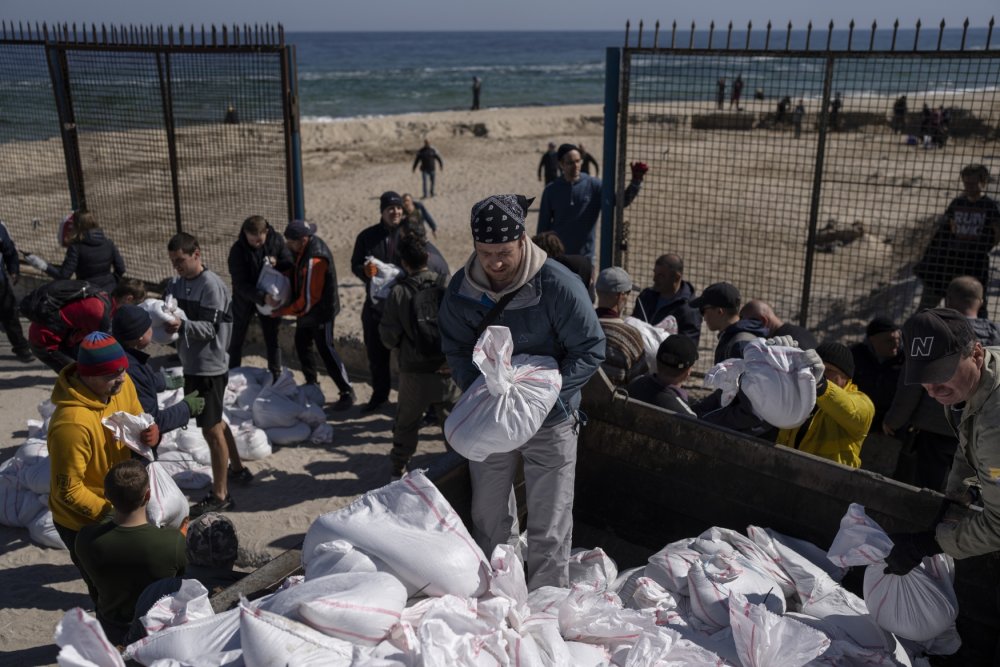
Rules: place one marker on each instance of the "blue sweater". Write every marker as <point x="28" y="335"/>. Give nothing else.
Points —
<point x="571" y="211"/>
<point x="147" y="384"/>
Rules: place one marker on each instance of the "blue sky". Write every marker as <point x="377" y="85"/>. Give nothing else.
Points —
<point x="497" y="15"/>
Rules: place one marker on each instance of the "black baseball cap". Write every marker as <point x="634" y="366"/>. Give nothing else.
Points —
<point x="678" y="352"/>
<point x="718" y="295"/>
<point x="933" y="340"/>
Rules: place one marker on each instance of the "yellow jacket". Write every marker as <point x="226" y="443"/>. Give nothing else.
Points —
<point x="82" y="450"/>
<point x="838" y="427"/>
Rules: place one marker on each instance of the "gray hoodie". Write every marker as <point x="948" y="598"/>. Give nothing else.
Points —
<point x="204" y="337"/>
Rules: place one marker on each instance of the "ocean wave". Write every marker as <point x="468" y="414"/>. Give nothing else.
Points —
<point x="369" y="74"/>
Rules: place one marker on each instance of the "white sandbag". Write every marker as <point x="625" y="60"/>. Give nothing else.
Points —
<point x="755" y="554"/>
<point x="597" y="618"/>
<point x="625" y="583"/>
<point x="274" y="284"/>
<point x="268" y="639"/>
<point x="37" y="428"/>
<point x="768" y="538"/>
<point x="216" y="634"/>
<point x="189" y="603"/>
<point x="665" y="647"/>
<point x="507" y="582"/>
<point x="36" y="475"/>
<point x="186" y="472"/>
<point x="163" y="312"/>
<point x="42" y="530"/>
<point x="46" y="408"/>
<point x="251" y="442"/>
<point x="82" y="642"/>
<point x="191" y="442"/>
<point x="336" y="557"/>
<point x="18" y="505"/>
<point x="311" y="394"/>
<point x="763" y="638"/>
<point x="245" y="383"/>
<point x="322" y="434"/>
<point x="290" y="435"/>
<point x="364" y="608"/>
<point x="919" y="605"/>
<point x="127" y="429"/>
<point x="859" y="541"/>
<point x="652" y="336"/>
<point x="507" y="404"/>
<point x="313" y="415"/>
<point x="167" y="506"/>
<point x="273" y="409"/>
<point x="777" y="381"/>
<point x="284" y="386"/>
<point x="410" y="526"/>
<point x="385" y="277"/>
<point x="711" y="580"/>
<point x="592" y="567"/>
<point x="725" y="377"/>
<point x="169" y="398"/>
<point x="670" y="566"/>
<point x="586" y="655"/>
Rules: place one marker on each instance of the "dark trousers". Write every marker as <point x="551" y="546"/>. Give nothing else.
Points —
<point x="56" y="359"/>
<point x="243" y="312"/>
<point x="9" y="320"/>
<point x="378" y="354"/>
<point x="321" y="335"/>
<point x="68" y="537"/>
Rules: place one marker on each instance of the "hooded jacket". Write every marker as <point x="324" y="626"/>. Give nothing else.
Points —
<point x="82" y="450"/>
<point x="95" y="259"/>
<point x="148" y="383"/>
<point x="245" y="263"/>
<point x="314" y="285"/>
<point x="551" y="315"/>
<point x="838" y="426"/>
<point x="678" y="305"/>
<point x="735" y="337"/>
<point x="398" y="323"/>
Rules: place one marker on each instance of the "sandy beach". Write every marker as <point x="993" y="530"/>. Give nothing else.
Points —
<point x="347" y="164"/>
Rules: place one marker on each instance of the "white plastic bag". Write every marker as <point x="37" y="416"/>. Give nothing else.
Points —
<point x="363" y="609"/>
<point x="251" y="442"/>
<point x="652" y="336"/>
<point x="188" y="603"/>
<point x="385" y="277"/>
<point x="18" y="504"/>
<point x="409" y="526"/>
<point x="919" y="605"/>
<point x="42" y="530"/>
<point x="188" y="642"/>
<point x="268" y="639"/>
<point x="82" y="642"/>
<point x="163" y="312"/>
<point x="290" y="435"/>
<point x="322" y="434"/>
<point x="126" y="429"/>
<point x="274" y="409"/>
<point x="592" y="567"/>
<point x="336" y="557"/>
<point x="191" y="442"/>
<point x="713" y="578"/>
<point x="168" y="506"/>
<point x="507" y="404"/>
<point x="273" y="283"/>
<point x="764" y="638"/>
<point x="186" y="472"/>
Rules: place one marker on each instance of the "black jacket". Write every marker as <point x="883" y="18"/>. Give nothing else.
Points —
<point x="328" y="305"/>
<point x="735" y="337"/>
<point x="876" y="379"/>
<point x="245" y="263"/>
<point x="94" y="259"/>
<point x="147" y="384"/>
<point x="381" y="242"/>
<point x="679" y="305"/>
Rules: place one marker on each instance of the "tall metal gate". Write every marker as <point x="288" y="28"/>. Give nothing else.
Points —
<point x="821" y="211"/>
<point x="153" y="130"/>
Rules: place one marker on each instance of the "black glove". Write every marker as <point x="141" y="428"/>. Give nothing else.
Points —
<point x="909" y="550"/>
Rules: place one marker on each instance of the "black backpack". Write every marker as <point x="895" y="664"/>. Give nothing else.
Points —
<point x="425" y="300"/>
<point x="42" y="305"/>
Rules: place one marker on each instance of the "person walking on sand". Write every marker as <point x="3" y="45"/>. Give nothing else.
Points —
<point x="734" y="100"/>
<point x="835" y="106"/>
<point x="426" y="158"/>
<point x="417" y="216"/>
<point x="477" y="86"/>
<point x="587" y="161"/>
<point x="797" y="115"/>
<point x="549" y="164"/>
<point x="720" y="92"/>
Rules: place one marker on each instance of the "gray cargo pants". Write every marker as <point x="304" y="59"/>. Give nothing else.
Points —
<point x="549" y="474"/>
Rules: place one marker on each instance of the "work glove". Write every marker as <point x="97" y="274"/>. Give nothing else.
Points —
<point x="173" y="381"/>
<point x="817" y="368"/>
<point x="151" y="436"/>
<point x="909" y="550"/>
<point x="36" y="261"/>
<point x="782" y="341"/>
<point x="371" y="270"/>
<point x="195" y="403"/>
<point x="639" y="170"/>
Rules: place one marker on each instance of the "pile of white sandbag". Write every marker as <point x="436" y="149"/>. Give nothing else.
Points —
<point x="260" y="412"/>
<point x="396" y="579"/>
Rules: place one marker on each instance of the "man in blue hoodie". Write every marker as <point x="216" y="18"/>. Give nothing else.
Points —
<point x="510" y="281"/>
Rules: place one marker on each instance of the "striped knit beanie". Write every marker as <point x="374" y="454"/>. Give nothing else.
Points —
<point x="100" y="354"/>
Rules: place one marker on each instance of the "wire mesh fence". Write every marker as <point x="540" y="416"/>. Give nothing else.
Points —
<point x="818" y="180"/>
<point x="150" y="134"/>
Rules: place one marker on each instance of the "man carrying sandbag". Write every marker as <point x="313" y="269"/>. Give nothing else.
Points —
<point x="509" y="281"/>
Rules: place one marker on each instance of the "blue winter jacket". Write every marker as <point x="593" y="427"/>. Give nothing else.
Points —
<point x="551" y="315"/>
<point x="679" y="305"/>
<point x="148" y="383"/>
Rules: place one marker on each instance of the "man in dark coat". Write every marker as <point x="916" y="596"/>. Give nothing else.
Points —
<point x="669" y="295"/>
<point x="878" y="360"/>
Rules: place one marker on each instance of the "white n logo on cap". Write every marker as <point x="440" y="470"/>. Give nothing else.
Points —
<point x="921" y="347"/>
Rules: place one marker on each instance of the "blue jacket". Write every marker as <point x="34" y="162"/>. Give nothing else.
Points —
<point x="571" y="211"/>
<point x="10" y="265"/>
<point x="735" y="337"/>
<point x="551" y="315"/>
<point x="147" y="384"/>
<point x="679" y="305"/>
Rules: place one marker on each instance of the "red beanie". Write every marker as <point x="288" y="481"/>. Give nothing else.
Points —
<point x="100" y="354"/>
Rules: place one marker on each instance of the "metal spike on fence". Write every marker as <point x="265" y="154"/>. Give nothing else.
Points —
<point x="673" y="33"/>
<point x="965" y="31"/>
<point x="225" y="36"/>
<point x="989" y="34"/>
<point x="711" y="33"/>
<point x="767" y="37"/>
<point x="214" y="36"/>
<point x="829" y="35"/>
<point x="895" y="31"/>
<point x="640" y="34"/>
<point x="281" y="35"/>
<point x="916" y="36"/>
<point x="656" y="35"/>
<point x="45" y="31"/>
<point x="809" y="32"/>
<point x="691" y="38"/>
<point x="850" y="34"/>
<point x="871" y="40"/>
<point x="749" y="30"/>
<point x="940" y="35"/>
<point x="788" y="37"/>
<point x="729" y="35"/>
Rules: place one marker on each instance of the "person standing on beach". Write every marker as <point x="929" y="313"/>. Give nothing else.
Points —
<point x="315" y="305"/>
<point x="797" y="115"/>
<point x="899" y="114"/>
<point x="477" y="86"/>
<point x="426" y="157"/>
<point x="10" y="273"/>
<point x="89" y="254"/>
<point x="417" y="216"/>
<point x="257" y="245"/>
<point x="835" y="106"/>
<point x="571" y="205"/>
<point x="202" y="344"/>
<point x="549" y="164"/>
<point x="587" y="160"/>
<point x="734" y="99"/>
<point x="509" y="280"/>
<point x="720" y="92"/>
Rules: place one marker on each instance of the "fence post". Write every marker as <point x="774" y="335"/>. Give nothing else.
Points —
<point x="609" y="182"/>
<point x="293" y="137"/>
<point x="167" y="98"/>
<point x="817" y="185"/>
<point x="59" y="73"/>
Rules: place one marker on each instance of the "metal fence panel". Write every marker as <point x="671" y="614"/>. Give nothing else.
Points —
<point x="822" y="213"/>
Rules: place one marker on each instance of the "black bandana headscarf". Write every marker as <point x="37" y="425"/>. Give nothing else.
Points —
<point x="500" y="218"/>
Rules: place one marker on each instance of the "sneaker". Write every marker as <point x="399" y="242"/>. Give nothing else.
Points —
<point x="24" y="356"/>
<point x="242" y="476"/>
<point x="346" y="400"/>
<point x="211" y="504"/>
<point x="373" y="405"/>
